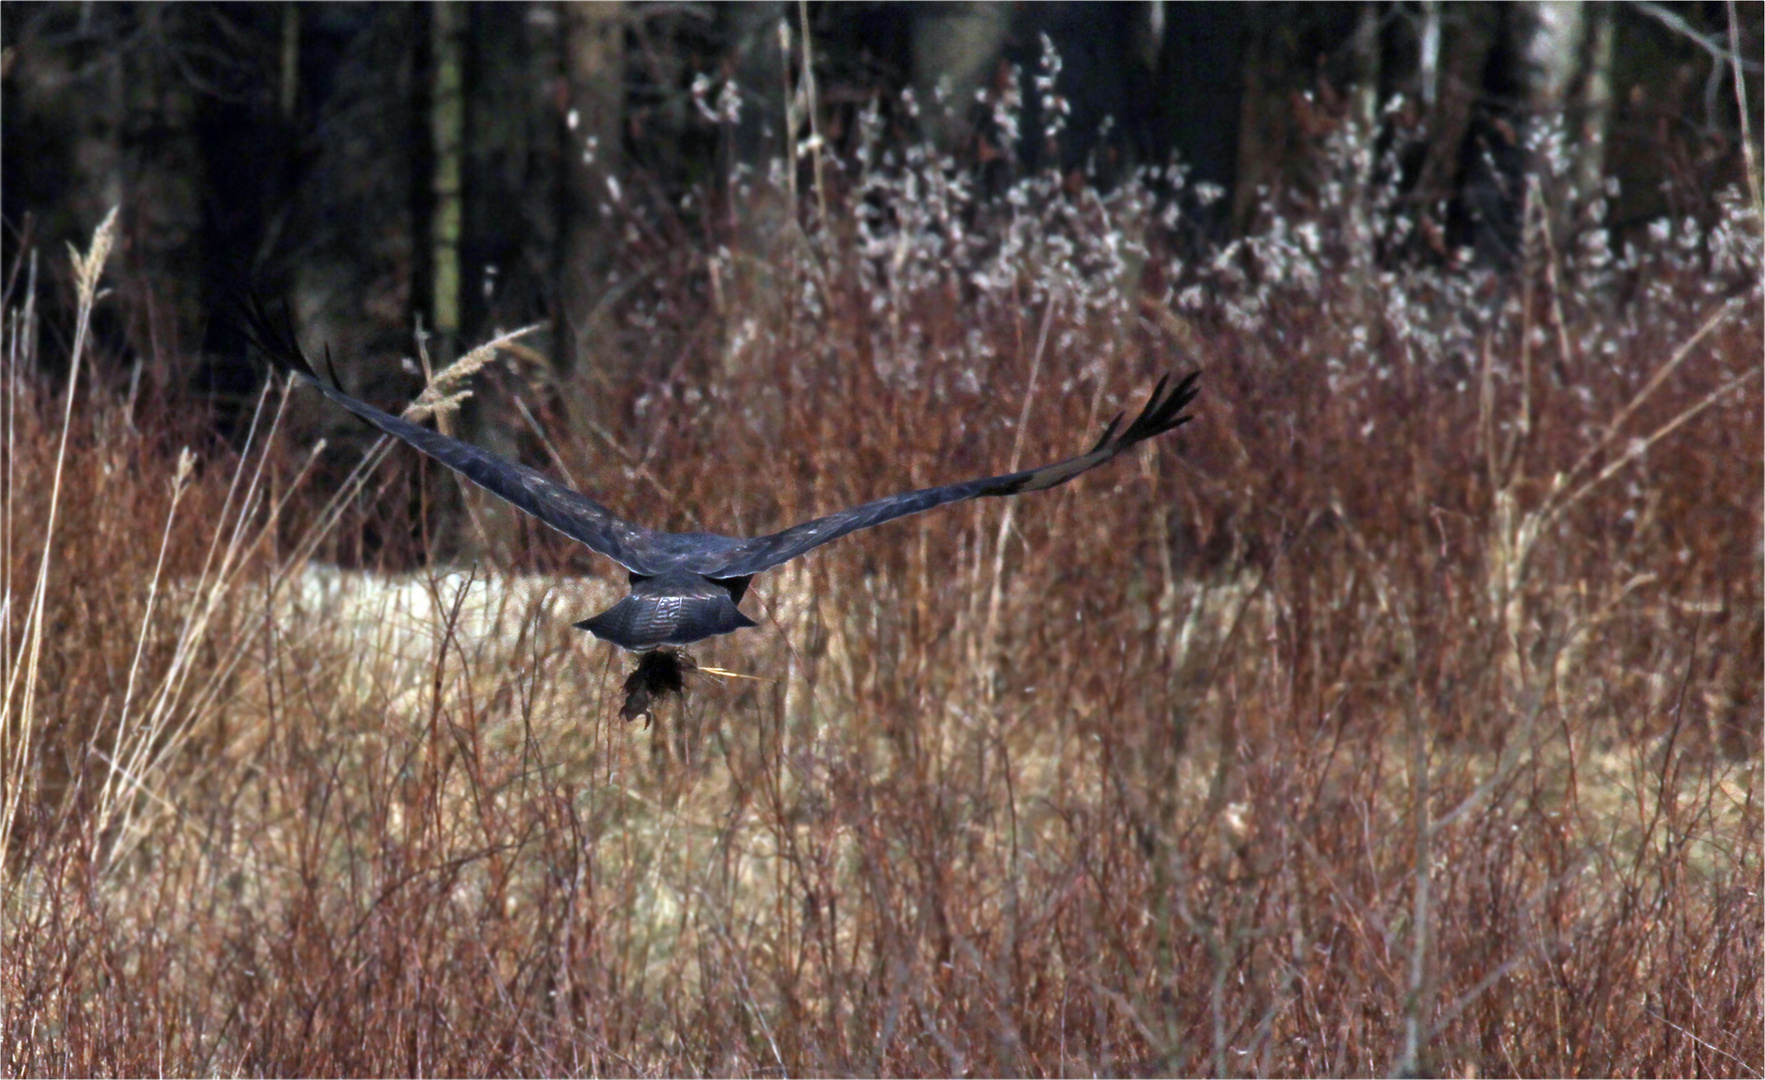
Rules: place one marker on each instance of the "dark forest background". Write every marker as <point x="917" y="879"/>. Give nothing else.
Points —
<point x="474" y="166"/>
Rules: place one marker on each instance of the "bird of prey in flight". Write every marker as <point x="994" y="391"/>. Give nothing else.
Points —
<point x="685" y="586"/>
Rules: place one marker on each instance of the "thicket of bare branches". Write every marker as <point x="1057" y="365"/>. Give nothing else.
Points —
<point x="1404" y="712"/>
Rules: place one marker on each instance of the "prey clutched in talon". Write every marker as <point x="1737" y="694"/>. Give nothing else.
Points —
<point x="661" y="672"/>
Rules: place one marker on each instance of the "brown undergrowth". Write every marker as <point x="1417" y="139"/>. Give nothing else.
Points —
<point x="1401" y="713"/>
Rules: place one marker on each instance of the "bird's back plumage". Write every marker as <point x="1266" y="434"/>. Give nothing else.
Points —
<point x="676" y="608"/>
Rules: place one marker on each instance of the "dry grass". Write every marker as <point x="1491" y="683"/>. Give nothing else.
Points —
<point x="1404" y="713"/>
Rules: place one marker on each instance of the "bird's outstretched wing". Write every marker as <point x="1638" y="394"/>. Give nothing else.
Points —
<point x="1163" y="412"/>
<point x="577" y="516"/>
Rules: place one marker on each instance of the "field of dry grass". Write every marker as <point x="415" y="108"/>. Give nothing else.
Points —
<point x="1401" y="713"/>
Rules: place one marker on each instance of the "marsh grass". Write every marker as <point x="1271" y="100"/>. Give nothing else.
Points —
<point x="1402" y="712"/>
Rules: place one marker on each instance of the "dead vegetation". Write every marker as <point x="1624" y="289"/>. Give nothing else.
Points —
<point x="1403" y="713"/>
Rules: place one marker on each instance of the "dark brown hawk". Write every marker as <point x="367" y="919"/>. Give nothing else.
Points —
<point x="685" y="586"/>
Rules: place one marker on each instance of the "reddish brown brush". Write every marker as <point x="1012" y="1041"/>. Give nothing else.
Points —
<point x="1402" y="713"/>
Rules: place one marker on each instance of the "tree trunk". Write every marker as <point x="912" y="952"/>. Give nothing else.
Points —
<point x="594" y="77"/>
<point x="446" y="131"/>
<point x="1596" y="101"/>
<point x="1549" y="40"/>
<point x="955" y="49"/>
<point x="1367" y="58"/>
<point x="288" y="80"/>
<point x="1201" y="99"/>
